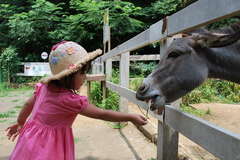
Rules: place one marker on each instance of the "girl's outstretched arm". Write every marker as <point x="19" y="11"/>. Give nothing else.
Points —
<point x="14" y="130"/>
<point x="113" y="116"/>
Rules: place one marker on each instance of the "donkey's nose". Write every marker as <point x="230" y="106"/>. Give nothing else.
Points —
<point x="143" y="88"/>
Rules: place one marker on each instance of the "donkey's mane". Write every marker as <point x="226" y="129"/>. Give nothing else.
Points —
<point x="225" y="30"/>
<point x="228" y="30"/>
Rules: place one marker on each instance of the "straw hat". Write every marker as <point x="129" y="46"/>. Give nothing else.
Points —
<point x="67" y="57"/>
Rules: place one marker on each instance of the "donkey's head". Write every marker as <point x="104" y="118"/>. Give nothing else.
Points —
<point x="183" y="67"/>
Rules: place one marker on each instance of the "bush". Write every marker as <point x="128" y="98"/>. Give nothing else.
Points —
<point x="9" y="63"/>
<point x="111" y="101"/>
<point x="214" y="90"/>
<point x="27" y="79"/>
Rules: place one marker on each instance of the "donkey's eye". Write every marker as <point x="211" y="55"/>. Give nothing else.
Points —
<point x="173" y="55"/>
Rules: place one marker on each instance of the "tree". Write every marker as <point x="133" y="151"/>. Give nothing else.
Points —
<point x="9" y="63"/>
<point x="86" y="26"/>
<point x="33" y="31"/>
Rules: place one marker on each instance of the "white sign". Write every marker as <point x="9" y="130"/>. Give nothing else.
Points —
<point x="106" y="27"/>
<point x="36" y="69"/>
<point x="44" y="55"/>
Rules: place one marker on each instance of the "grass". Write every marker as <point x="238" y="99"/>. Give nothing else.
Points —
<point x="4" y="90"/>
<point x="13" y="122"/>
<point x="7" y="114"/>
<point x="4" y="94"/>
<point x="3" y="120"/>
<point x="77" y="140"/>
<point x="197" y="112"/>
<point x="18" y="106"/>
<point x="115" y="125"/>
<point x="15" y="100"/>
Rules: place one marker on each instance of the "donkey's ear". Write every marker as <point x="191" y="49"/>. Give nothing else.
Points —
<point x="217" y="40"/>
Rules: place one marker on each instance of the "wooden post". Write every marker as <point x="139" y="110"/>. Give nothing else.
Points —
<point x="108" y="64"/>
<point x="167" y="143"/>
<point x="124" y="81"/>
<point x="167" y="138"/>
<point x="103" y="85"/>
<point x="96" y="77"/>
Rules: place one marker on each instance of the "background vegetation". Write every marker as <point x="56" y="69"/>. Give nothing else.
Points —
<point x="30" y="27"/>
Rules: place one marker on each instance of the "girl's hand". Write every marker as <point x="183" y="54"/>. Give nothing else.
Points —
<point x="13" y="131"/>
<point x="139" y="120"/>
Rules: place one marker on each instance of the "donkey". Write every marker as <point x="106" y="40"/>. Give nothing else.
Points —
<point x="189" y="61"/>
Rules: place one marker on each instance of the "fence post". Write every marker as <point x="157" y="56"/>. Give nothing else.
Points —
<point x="124" y="81"/>
<point x="108" y="66"/>
<point x="167" y="143"/>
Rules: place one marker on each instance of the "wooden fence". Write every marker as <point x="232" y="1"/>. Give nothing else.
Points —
<point x="220" y="142"/>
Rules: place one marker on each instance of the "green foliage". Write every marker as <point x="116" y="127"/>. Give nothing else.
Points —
<point x="18" y="106"/>
<point x="135" y="83"/>
<point x="189" y="109"/>
<point x="9" y="63"/>
<point x="161" y="9"/>
<point x="27" y="79"/>
<point x="88" y="22"/>
<point x="34" y="26"/>
<point x="214" y="90"/>
<point x="142" y="69"/>
<point x="3" y="86"/>
<point x="224" y="23"/>
<point x="32" y="29"/>
<point x="7" y="114"/>
<point x="112" y="100"/>
<point x="152" y="159"/>
<point x="5" y="91"/>
<point x="115" y="125"/>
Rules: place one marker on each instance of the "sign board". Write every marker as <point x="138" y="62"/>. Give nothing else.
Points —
<point x="36" y="69"/>
<point x="44" y="55"/>
<point x="105" y="27"/>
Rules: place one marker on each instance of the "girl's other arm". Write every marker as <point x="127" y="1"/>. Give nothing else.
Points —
<point x="14" y="130"/>
<point x="26" y="110"/>
<point x="113" y="116"/>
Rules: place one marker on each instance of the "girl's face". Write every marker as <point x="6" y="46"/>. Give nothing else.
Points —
<point x="79" y="80"/>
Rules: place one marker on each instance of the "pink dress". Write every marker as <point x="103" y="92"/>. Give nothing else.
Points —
<point x="47" y="135"/>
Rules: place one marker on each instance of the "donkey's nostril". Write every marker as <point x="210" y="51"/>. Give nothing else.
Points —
<point x="143" y="88"/>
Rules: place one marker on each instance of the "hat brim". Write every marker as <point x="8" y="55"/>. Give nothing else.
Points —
<point x="76" y="67"/>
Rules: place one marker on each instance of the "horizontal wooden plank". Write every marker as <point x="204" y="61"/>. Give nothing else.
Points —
<point x="202" y="13"/>
<point x="155" y="32"/>
<point x="222" y="143"/>
<point x="96" y="77"/>
<point x="140" y="57"/>
<point x="138" y="41"/>
<point x="114" y="52"/>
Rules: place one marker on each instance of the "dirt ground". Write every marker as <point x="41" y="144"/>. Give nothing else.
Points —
<point x="224" y="115"/>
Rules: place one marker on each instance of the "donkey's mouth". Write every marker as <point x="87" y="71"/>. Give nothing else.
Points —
<point x="149" y="102"/>
<point x="156" y="102"/>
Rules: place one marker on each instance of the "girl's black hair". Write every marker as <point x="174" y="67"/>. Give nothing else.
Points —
<point x="69" y="79"/>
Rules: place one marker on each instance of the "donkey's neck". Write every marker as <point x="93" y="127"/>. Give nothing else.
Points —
<point x="224" y="63"/>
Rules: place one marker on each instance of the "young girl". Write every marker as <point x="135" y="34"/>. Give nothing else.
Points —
<point x="47" y="135"/>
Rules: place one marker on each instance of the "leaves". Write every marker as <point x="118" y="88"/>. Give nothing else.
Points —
<point x="9" y="63"/>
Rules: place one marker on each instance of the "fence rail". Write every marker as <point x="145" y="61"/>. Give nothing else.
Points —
<point x="219" y="141"/>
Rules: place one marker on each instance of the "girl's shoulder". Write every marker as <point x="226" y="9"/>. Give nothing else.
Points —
<point x="38" y="87"/>
<point x="75" y="100"/>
